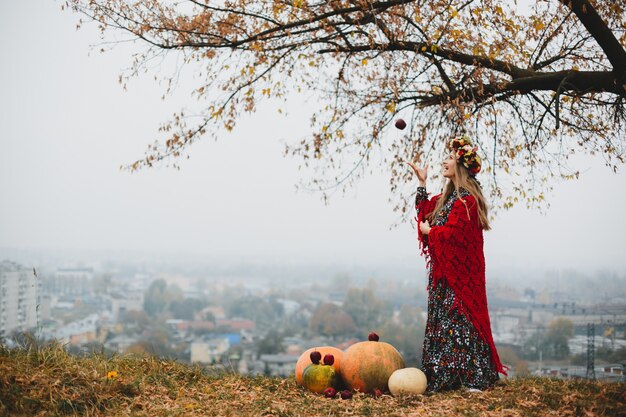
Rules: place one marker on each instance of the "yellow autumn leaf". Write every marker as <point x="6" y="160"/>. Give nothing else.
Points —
<point x="391" y="107"/>
<point x="364" y="61"/>
<point x="216" y="114"/>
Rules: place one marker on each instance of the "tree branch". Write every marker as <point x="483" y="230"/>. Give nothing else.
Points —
<point x="592" y="21"/>
<point x="578" y="81"/>
<point x="431" y="49"/>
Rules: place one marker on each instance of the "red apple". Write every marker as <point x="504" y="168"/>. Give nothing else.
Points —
<point x="329" y="359"/>
<point x="373" y="337"/>
<point x="330" y="392"/>
<point x="346" y="394"/>
<point x="400" y="124"/>
<point x="316" y="357"/>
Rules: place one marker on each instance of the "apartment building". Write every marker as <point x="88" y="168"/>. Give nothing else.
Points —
<point x="19" y="297"/>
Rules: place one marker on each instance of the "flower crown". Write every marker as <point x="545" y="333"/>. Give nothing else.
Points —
<point x="465" y="152"/>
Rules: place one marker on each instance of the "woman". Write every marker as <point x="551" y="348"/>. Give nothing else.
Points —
<point x="458" y="345"/>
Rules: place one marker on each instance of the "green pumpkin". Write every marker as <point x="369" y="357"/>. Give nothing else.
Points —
<point x="317" y="378"/>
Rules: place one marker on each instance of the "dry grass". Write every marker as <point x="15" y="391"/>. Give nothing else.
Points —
<point x="49" y="382"/>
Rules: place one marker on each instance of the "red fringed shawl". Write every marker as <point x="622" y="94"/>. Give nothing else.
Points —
<point x="454" y="251"/>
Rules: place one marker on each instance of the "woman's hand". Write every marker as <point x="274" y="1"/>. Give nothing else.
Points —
<point x="422" y="173"/>
<point x="425" y="227"/>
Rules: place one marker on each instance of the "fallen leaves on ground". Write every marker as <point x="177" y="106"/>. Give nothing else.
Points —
<point x="48" y="381"/>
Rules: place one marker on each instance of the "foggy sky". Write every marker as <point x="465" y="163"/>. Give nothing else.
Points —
<point x="67" y="126"/>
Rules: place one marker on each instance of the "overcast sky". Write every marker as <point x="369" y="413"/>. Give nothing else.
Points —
<point x="67" y="126"/>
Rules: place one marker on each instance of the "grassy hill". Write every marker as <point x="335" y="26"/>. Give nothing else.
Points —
<point x="49" y="382"/>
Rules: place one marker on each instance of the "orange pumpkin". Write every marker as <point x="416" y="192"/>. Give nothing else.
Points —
<point x="305" y="360"/>
<point x="317" y="378"/>
<point x="367" y="366"/>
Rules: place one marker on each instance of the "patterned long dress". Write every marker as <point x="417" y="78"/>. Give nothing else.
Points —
<point x="454" y="354"/>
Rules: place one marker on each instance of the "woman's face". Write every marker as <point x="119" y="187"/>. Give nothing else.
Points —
<point x="449" y="166"/>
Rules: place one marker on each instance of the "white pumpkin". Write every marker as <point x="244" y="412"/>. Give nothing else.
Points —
<point x="407" y="381"/>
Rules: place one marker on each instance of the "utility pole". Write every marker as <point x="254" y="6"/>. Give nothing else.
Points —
<point x="591" y="371"/>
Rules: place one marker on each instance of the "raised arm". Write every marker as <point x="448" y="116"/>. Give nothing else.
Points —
<point x="421" y="197"/>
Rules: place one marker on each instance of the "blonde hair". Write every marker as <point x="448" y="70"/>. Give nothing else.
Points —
<point x="463" y="180"/>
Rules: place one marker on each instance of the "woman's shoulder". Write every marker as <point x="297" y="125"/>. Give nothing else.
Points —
<point x="466" y="198"/>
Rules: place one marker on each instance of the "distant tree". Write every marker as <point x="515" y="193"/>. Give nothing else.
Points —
<point x="604" y="354"/>
<point x="534" y="346"/>
<point x="182" y="310"/>
<point x="137" y="318"/>
<point x="579" y="359"/>
<point x="208" y="316"/>
<point x="254" y="308"/>
<point x="185" y="309"/>
<point x="160" y="297"/>
<point x="277" y="307"/>
<point x="331" y="320"/>
<point x="155" y="300"/>
<point x="408" y="339"/>
<point x="226" y="295"/>
<point x="156" y="343"/>
<point x="173" y="293"/>
<point x="364" y="308"/>
<point x="617" y="355"/>
<point x="510" y="358"/>
<point x="271" y="343"/>
<point x="557" y="337"/>
<point x="410" y="315"/>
